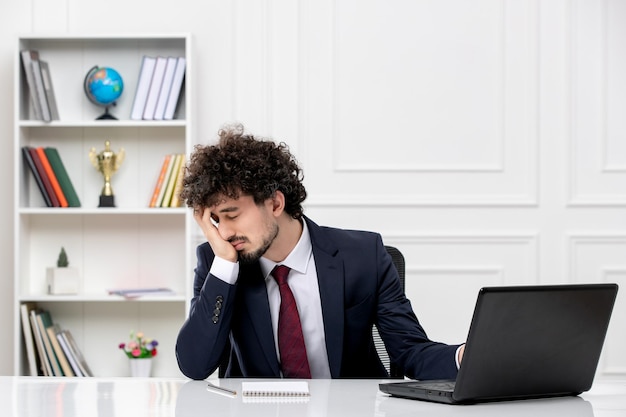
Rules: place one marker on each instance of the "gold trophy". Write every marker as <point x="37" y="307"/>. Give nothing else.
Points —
<point x="106" y="162"/>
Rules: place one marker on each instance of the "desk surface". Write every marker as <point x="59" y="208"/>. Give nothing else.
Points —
<point x="154" y="397"/>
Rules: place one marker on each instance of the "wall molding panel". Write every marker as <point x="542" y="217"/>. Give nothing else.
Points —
<point x="483" y="152"/>
<point x="516" y="255"/>
<point x="597" y="155"/>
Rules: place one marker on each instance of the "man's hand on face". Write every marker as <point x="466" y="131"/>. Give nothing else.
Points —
<point x="221" y="247"/>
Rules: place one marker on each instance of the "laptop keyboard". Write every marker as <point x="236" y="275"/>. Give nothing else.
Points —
<point x="438" y="386"/>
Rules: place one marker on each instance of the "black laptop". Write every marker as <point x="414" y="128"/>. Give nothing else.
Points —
<point x="525" y="342"/>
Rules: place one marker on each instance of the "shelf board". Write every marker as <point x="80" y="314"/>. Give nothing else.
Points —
<point x="102" y="123"/>
<point x="101" y="211"/>
<point x="83" y="37"/>
<point x="105" y="298"/>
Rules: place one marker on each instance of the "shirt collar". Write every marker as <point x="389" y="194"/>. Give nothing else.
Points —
<point x="298" y="258"/>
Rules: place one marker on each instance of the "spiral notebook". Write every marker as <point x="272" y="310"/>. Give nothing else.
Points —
<point x="275" y="389"/>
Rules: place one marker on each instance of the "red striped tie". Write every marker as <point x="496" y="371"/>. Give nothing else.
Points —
<point x="294" y="362"/>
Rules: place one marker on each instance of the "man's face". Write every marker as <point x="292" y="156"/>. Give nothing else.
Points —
<point x="249" y="227"/>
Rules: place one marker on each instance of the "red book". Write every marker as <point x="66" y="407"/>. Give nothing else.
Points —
<point x="44" y="177"/>
<point x="52" y="177"/>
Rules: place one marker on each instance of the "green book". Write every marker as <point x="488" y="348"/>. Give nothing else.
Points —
<point x="44" y="320"/>
<point x="64" y="180"/>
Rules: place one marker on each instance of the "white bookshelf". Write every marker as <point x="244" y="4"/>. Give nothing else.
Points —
<point x="130" y="245"/>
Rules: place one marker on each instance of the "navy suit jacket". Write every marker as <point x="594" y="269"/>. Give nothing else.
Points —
<point x="359" y="287"/>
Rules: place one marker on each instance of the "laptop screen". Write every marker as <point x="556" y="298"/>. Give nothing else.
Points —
<point x="535" y="340"/>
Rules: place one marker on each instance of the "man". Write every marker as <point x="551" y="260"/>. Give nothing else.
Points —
<point x="246" y="194"/>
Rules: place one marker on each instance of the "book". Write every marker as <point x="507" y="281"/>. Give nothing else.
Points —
<point x="166" y="86"/>
<point x="177" y="83"/>
<point x="31" y="164"/>
<point x="82" y="363"/>
<point x="175" y="202"/>
<point x="49" y="90"/>
<point x="168" y="172"/>
<point x="29" y="337"/>
<point x="44" y="320"/>
<point x="155" y="88"/>
<point x="131" y="293"/>
<point x="160" y="180"/>
<point x="52" y="177"/>
<point x="46" y="369"/>
<point x="58" y="350"/>
<point x="44" y="177"/>
<point x="71" y="359"/>
<point x="171" y="182"/>
<point x="39" y="87"/>
<point x="27" y="56"/>
<point x="63" y="178"/>
<point x="275" y="389"/>
<point x="143" y="86"/>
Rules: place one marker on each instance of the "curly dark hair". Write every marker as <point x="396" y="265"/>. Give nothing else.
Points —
<point x="241" y="164"/>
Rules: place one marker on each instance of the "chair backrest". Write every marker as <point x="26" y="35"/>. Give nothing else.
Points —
<point x="392" y="369"/>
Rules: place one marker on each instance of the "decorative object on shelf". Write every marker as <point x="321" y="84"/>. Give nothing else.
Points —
<point x="140" y="350"/>
<point x="107" y="163"/>
<point x="103" y="86"/>
<point x="62" y="280"/>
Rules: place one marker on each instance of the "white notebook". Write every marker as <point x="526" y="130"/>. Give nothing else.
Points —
<point x="275" y="389"/>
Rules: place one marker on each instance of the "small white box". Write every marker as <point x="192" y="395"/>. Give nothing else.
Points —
<point x="62" y="281"/>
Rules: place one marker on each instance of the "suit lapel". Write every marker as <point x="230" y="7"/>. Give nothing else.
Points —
<point x="330" y="277"/>
<point x="257" y="305"/>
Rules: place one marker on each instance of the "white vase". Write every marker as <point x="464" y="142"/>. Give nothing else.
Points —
<point x="140" y="367"/>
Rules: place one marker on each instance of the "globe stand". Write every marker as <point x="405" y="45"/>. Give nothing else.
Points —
<point x="107" y="115"/>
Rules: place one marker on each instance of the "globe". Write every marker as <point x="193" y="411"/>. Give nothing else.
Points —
<point x="103" y="86"/>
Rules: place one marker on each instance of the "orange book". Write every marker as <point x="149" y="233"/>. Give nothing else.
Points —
<point x="53" y="178"/>
<point x="160" y="181"/>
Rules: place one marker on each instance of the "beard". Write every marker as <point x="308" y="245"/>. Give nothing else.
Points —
<point x="268" y="239"/>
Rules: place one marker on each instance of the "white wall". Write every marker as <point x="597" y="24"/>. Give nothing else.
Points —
<point x="485" y="139"/>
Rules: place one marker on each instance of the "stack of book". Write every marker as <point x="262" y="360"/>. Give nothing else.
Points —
<point x="51" y="177"/>
<point x="158" y="88"/>
<point x="37" y="74"/>
<point x="169" y="182"/>
<point x="51" y="351"/>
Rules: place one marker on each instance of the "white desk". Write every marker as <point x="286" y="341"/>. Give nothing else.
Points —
<point x="153" y="397"/>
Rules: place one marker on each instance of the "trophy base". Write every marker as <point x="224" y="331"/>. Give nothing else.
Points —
<point x="107" y="201"/>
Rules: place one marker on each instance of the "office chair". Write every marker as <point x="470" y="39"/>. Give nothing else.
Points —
<point x="392" y="369"/>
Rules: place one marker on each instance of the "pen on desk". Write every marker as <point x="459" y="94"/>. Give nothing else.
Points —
<point x="221" y="390"/>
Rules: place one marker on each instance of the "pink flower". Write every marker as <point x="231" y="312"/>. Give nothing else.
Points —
<point x="139" y="346"/>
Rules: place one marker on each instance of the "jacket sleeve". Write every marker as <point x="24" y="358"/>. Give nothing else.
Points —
<point x="204" y="334"/>
<point x="405" y="339"/>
